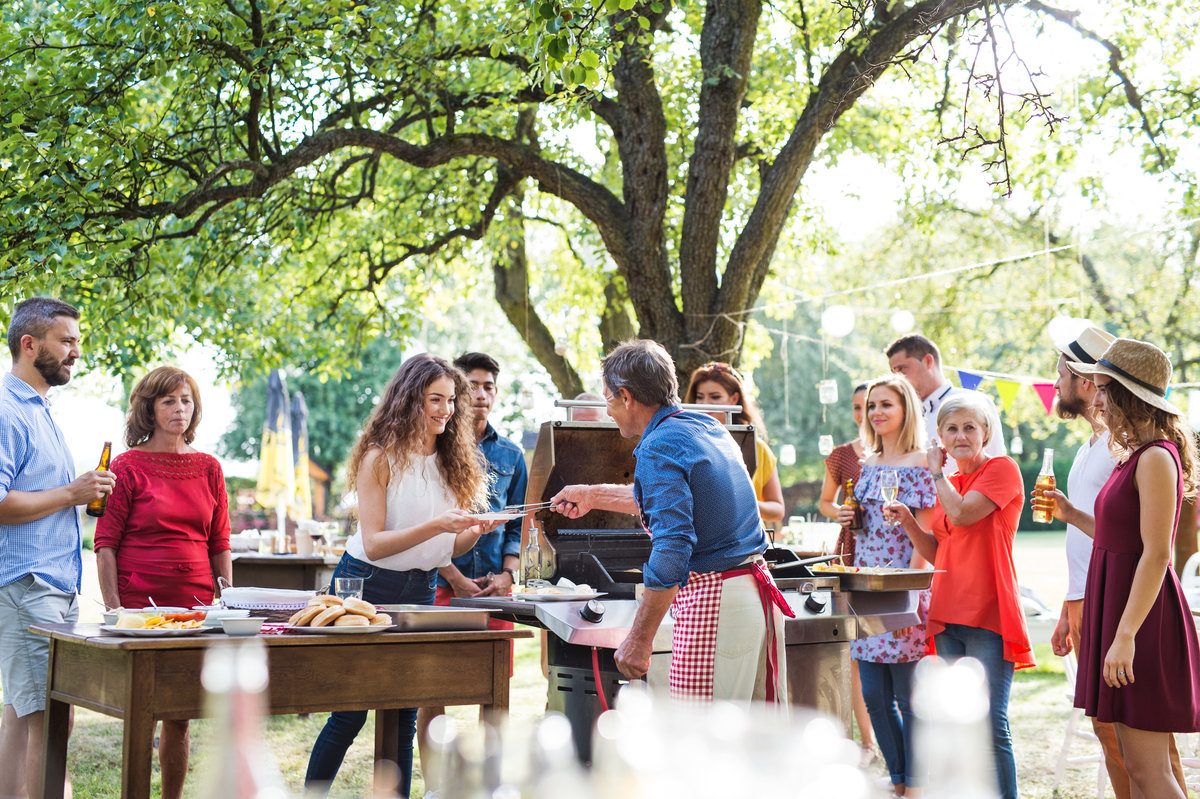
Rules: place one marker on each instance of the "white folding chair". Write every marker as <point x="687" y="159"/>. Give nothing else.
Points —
<point x="1078" y="729"/>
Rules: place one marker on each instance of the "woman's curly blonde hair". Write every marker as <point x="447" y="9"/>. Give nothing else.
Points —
<point x="1132" y="422"/>
<point x="397" y="427"/>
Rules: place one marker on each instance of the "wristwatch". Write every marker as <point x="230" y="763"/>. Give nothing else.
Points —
<point x="937" y="476"/>
<point x="511" y="573"/>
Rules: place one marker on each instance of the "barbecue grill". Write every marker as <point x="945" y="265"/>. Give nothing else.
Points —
<point x="607" y="550"/>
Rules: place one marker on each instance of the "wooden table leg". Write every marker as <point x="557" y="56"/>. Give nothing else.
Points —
<point x="138" y="744"/>
<point x="498" y="708"/>
<point x="387" y="750"/>
<point x="57" y="729"/>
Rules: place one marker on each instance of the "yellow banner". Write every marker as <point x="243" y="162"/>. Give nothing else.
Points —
<point x="1007" y="389"/>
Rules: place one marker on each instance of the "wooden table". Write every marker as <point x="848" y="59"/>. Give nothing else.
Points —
<point x="300" y="572"/>
<point x="142" y="680"/>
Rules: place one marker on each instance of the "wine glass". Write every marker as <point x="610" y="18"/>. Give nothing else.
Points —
<point x="889" y="487"/>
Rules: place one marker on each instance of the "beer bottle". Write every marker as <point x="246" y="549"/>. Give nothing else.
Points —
<point x="97" y="506"/>
<point x="848" y="495"/>
<point x="1043" y="506"/>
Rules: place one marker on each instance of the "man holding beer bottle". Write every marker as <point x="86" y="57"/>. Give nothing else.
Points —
<point x="40" y="560"/>
<point x="1089" y="472"/>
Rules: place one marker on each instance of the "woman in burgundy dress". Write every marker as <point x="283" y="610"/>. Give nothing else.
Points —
<point x="1139" y="663"/>
<point x="166" y="531"/>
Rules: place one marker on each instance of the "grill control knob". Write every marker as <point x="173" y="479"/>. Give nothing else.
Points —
<point x="593" y="611"/>
<point x="816" y="603"/>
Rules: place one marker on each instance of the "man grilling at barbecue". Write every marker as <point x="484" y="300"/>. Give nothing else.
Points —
<point x="695" y="499"/>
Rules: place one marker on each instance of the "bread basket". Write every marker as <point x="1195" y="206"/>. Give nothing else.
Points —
<point x="276" y="604"/>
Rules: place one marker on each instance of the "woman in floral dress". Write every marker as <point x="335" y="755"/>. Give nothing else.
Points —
<point x="894" y="434"/>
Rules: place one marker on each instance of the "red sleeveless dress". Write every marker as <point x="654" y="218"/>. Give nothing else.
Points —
<point x="1165" y="696"/>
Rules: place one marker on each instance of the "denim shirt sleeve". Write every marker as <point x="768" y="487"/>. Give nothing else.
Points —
<point x="516" y="496"/>
<point x="665" y="501"/>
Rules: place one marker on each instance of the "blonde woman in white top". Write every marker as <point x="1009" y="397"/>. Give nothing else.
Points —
<point x="419" y="478"/>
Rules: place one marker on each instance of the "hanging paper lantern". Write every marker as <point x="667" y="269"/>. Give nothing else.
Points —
<point x="1016" y="446"/>
<point x="787" y="454"/>
<point x="825" y="445"/>
<point x="837" y="321"/>
<point x="903" y="321"/>
<point x="827" y="392"/>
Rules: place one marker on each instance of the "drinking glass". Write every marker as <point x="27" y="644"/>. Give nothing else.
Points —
<point x="346" y="587"/>
<point x="889" y="487"/>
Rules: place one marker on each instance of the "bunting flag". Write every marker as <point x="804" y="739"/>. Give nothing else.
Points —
<point x="1007" y="389"/>
<point x="969" y="380"/>
<point x="1045" y="392"/>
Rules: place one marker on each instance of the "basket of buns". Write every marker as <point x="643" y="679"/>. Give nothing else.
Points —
<point x="326" y="613"/>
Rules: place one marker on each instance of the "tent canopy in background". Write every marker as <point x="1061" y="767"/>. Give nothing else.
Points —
<point x="276" y="471"/>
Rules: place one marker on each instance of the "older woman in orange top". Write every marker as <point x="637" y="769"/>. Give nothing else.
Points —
<point x="975" y="609"/>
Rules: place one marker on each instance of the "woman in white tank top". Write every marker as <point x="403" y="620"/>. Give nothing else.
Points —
<point x="419" y="476"/>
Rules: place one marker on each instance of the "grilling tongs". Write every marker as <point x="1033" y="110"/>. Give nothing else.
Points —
<point x="528" y="508"/>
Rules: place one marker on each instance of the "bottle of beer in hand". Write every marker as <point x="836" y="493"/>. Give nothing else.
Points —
<point x="1043" y="506"/>
<point x="848" y="497"/>
<point x="97" y="506"/>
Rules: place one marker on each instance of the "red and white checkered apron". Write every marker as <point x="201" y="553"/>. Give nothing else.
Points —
<point x="696" y="610"/>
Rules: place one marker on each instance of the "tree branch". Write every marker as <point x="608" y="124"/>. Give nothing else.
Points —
<point x="1115" y="56"/>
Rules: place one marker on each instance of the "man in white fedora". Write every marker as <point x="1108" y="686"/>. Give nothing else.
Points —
<point x="1089" y="472"/>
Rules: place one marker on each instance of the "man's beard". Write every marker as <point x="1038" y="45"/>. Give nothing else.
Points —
<point x="1069" y="409"/>
<point x="52" y="370"/>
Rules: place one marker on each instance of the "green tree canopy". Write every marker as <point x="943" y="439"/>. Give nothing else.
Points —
<point x="288" y="181"/>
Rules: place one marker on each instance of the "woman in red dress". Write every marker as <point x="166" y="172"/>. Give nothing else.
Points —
<point x="166" y="531"/>
<point x="1139" y="663"/>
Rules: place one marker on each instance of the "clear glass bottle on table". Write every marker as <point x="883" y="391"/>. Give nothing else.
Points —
<point x="531" y="558"/>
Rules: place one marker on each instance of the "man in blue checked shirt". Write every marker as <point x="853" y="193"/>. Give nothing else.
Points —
<point x="693" y="494"/>
<point x="40" y="562"/>
<point x="490" y="568"/>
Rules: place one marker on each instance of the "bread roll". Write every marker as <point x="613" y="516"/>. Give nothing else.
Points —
<point x="304" y="616"/>
<point x="325" y="600"/>
<point x="328" y="616"/>
<point x="381" y="618"/>
<point x="352" y="620"/>
<point x="359" y="607"/>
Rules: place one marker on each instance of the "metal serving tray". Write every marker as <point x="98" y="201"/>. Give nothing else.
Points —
<point x="891" y="580"/>
<point x="434" y="618"/>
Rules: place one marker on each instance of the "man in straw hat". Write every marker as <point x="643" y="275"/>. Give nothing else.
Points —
<point x="1078" y="363"/>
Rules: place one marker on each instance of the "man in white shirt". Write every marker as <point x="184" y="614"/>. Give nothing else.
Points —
<point x="1089" y="472"/>
<point x="919" y="361"/>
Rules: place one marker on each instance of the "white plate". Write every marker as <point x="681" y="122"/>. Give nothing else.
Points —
<point x="155" y="633"/>
<point x="331" y="630"/>
<point x="564" y="597"/>
<point x="497" y="516"/>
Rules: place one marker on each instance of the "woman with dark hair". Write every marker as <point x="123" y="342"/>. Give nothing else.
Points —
<point x="415" y="468"/>
<point x="717" y="383"/>
<point x="165" y="533"/>
<point x="1139" y="662"/>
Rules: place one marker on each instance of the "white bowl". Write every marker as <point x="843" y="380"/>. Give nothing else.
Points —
<point x="247" y="626"/>
<point x="213" y="618"/>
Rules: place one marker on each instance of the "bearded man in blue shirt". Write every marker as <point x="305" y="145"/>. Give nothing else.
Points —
<point x="40" y="561"/>
<point x="693" y="494"/>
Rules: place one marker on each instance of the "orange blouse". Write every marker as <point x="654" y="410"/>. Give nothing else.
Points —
<point x="977" y="582"/>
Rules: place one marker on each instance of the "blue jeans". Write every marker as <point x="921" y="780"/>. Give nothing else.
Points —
<point x="380" y="586"/>
<point x="887" y="691"/>
<point x="988" y="648"/>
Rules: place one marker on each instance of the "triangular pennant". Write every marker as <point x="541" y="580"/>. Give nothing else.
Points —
<point x="1007" y="389"/>
<point x="1045" y="392"/>
<point x="969" y="380"/>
